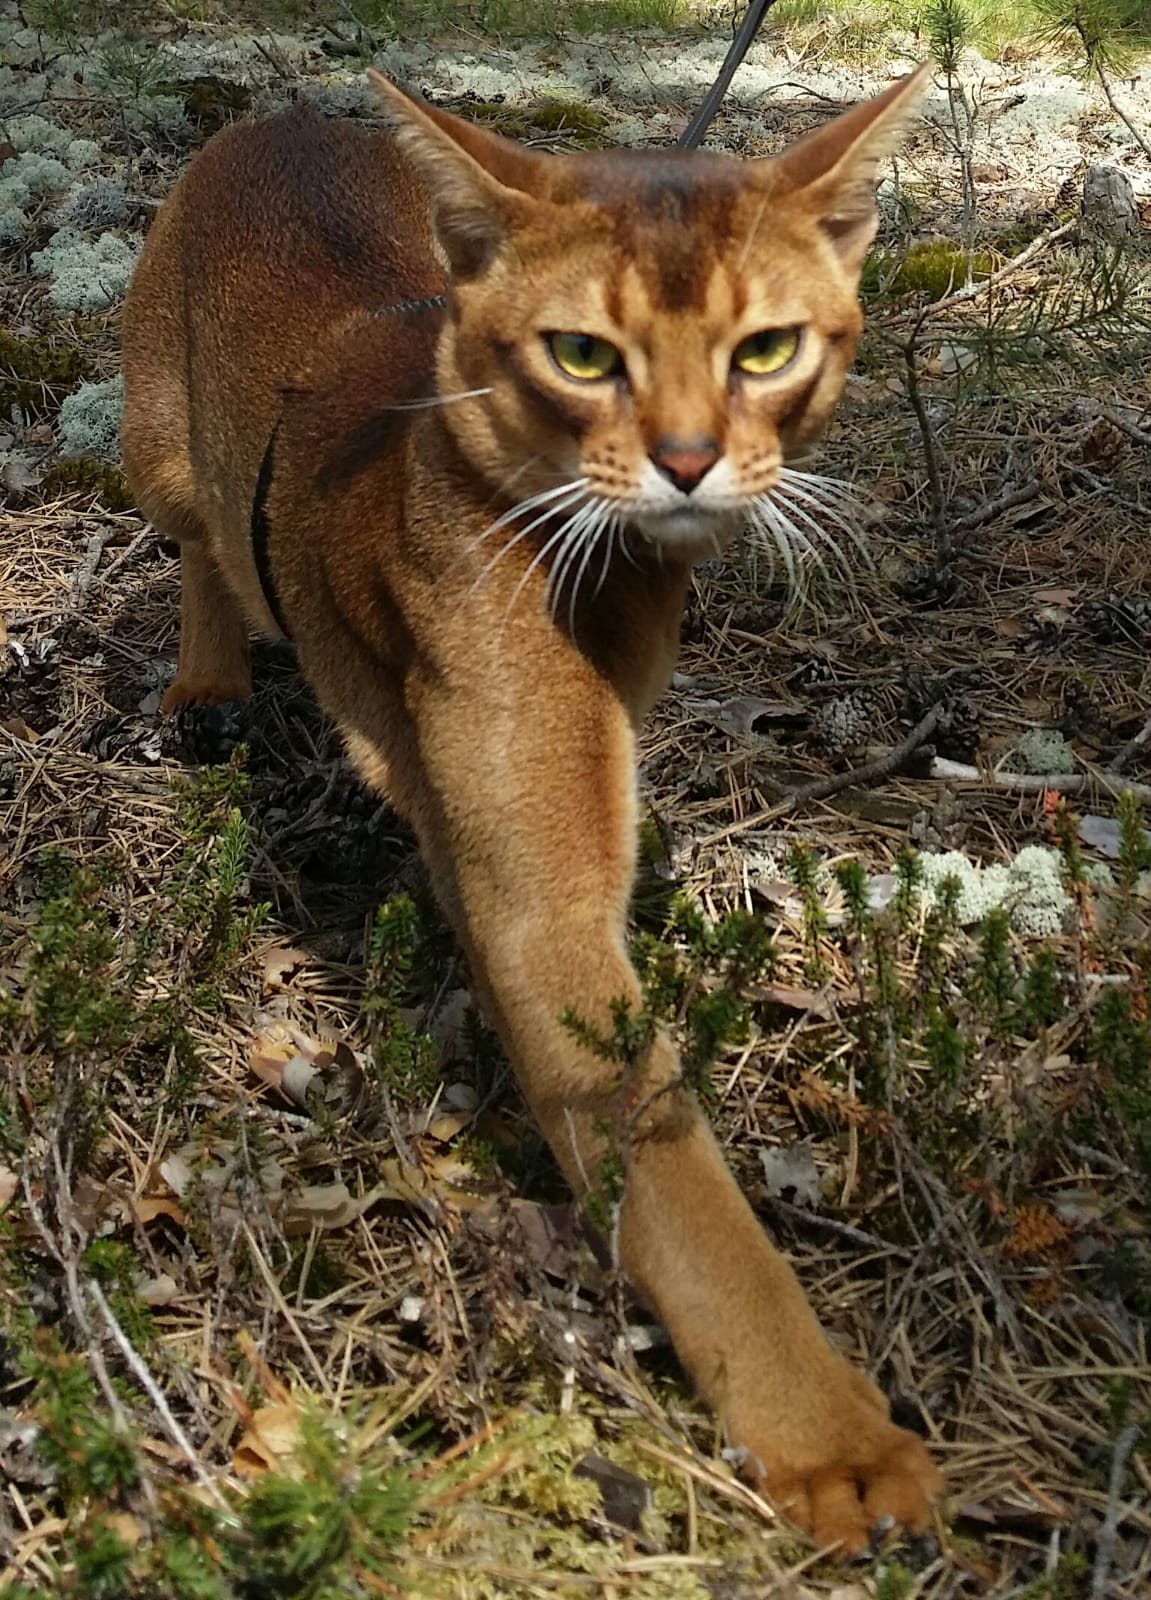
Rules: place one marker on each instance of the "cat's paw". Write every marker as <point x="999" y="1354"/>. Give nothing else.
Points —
<point x="183" y="692"/>
<point x="849" y="1470"/>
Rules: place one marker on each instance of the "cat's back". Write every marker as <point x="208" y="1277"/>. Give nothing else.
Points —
<point x="279" y="238"/>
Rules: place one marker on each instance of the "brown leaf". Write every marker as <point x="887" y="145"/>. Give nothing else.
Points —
<point x="279" y="962"/>
<point x="271" y="1441"/>
<point x="148" y="1207"/>
<point x="812" y="1001"/>
<point x="550" y="1235"/>
<point x="323" y="1206"/>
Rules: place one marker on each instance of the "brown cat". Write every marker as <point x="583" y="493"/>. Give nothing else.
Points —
<point x="459" y="417"/>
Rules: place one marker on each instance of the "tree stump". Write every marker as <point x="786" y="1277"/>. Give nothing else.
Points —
<point x="1109" y="208"/>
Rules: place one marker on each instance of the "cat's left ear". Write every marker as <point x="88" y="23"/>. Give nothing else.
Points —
<point x="834" y="169"/>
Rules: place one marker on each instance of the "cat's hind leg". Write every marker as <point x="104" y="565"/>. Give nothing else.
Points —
<point x="214" y="660"/>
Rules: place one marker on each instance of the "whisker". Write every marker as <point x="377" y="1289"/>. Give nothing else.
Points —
<point x="614" y="534"/>
<point x="522" y="507"/>
<point x="840" y="506"/>
<point x="554" y="539"/>
<point x="847" y="491"/>
<point x="624" y="546"/>
<point x="803" y="541"/>
<point x="764" y="519"/>
<point x="848" y="560"/>
<point x="827" y="493"/>
<point x="522" y="534"/>
<point x="581" y="531"/>
<point x="566" y="504"/>
<point x="598" y="529"/>
<point x="840" y="509"/>
<point x="792" y="509"/>
<point x="432" y="400"/>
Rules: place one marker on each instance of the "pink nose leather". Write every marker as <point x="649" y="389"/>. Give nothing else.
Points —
<point x="685" y="464"/>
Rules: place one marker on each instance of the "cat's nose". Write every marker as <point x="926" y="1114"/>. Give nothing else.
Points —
<point x="685" y="461"/>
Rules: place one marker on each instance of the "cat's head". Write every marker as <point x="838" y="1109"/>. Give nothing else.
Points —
<point x="652" y="335"/>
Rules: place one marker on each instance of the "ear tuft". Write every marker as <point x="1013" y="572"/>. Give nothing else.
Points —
<point x="837" y="166"/>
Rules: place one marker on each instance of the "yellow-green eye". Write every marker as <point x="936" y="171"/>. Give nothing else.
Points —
<point x="583" y="356"/>
<point x="770" y="350"/>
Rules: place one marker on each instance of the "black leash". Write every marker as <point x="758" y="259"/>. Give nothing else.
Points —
<point x="692" y="135"/>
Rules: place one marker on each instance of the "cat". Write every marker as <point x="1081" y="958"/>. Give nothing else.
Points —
<point x="459" y="417"/>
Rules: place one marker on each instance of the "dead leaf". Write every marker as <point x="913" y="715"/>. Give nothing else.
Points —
<point x="1057" y="597"/>
<point x="550" y="1235"/>
<point x="280" y="961"/>
<point x="9" y="1186"/>
<point x="1102" y="834"/>
<point x="125" y="1526"/>
<point x="17" y="478"/>
<point x="790" y="1170"/>
<point x="323" y="1206"/>
<point x="291" y="1078"/>
<point x="812" y="1001"/>
<point x="271" y="1441"/>
<point x="445" y="1125"/>
<point x="951" y="358"/>
<point x="742" y="712"/>
<point x="159" y="1291"/>
<point x="19" y="729"/>
<point x="300" y="1068"/>
<point x="625" y="1495"/>
<point x="148" y="1207"/>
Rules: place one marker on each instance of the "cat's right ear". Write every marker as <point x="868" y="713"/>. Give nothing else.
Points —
<point x="480" y="184"/>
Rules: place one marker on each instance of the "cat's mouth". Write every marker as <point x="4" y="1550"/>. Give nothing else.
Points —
<point x="690" y="532"/>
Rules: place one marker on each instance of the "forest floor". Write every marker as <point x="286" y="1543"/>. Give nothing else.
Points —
<point x="354" y="1335"/>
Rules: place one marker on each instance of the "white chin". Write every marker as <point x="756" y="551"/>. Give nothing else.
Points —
<point x="689" y="533"/>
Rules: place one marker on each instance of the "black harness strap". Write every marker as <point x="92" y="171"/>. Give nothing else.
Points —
<point x="433" y="302"/>
<point x="260" y="532"/>
<point x="260" y="526"/>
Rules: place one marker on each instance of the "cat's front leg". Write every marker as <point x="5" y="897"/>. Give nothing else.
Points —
<point x="530" y="834"/>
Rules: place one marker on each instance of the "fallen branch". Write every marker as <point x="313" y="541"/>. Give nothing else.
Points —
<point x="1125" y="1441"/>
<point x="129" y="550"/>
<point x="1123" y="755"/>
<point x="830" y="1228"/>
<point x="973" y="290"/>
<point x="1036" y="783"/>
<point x="883" y="766"/>
<point x="993" y="508"/>
<point x="85" y="573"/>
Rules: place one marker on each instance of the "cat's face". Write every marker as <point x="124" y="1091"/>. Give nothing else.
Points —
<point x="647" y="339"/>
<point x="662" y="357"/>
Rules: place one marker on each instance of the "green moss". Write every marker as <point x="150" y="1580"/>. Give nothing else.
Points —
<point x="103" y="482"/>
<point x="934" y="268"/>
<point x="583" y="124"/>
<point x="37" y="372"/>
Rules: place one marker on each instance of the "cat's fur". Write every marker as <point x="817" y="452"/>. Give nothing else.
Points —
<point x="488" y="670"/>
